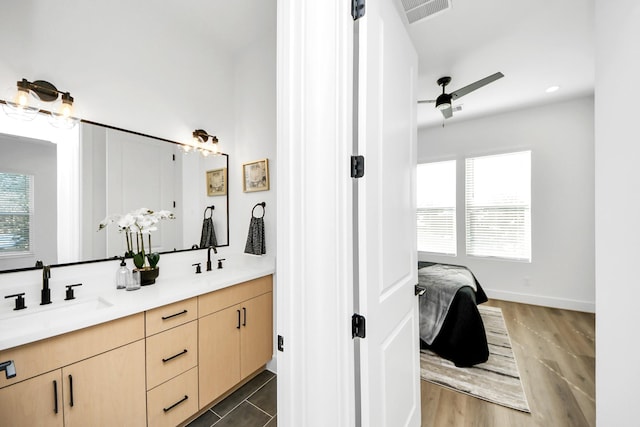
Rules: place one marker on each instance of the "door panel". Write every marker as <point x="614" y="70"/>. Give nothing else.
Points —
<point x="33" y="402"/>
<point x="390" y="392"/>
<point x="257" y="333"/>
<point x="218" y="353"/>
<point x="108" y="389"/>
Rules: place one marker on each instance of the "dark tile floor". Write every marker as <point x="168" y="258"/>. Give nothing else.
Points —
<point x="252" y="405"/>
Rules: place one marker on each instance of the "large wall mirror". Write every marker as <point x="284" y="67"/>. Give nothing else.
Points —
<point x="73" y="179"/>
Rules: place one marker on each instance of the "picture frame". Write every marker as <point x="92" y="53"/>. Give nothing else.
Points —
<point x="255" y="176"/>
<point x="217" y="182"/>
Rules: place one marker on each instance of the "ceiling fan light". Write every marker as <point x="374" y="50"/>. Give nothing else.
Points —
<point x="443" y="101"/>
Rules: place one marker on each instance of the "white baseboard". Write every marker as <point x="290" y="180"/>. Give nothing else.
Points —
<point x="566" y="304"/>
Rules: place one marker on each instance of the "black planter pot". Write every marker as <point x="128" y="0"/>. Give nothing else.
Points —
<point x="148" y="275"/>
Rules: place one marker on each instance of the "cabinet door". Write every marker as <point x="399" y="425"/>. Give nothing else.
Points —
<point x="107" y="390"/>
<point x="218" y="353"/>
<point x="34" y="402"/>
<point x="257" y="333"/>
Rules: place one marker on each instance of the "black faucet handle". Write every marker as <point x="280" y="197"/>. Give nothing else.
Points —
<point x="197" y="266"/>
<point x="70" y="291"/>
<point x="19" y="301"/>
<point x="220" y="262"/>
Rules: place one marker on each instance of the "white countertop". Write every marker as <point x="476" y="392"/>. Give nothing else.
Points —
<point x="105" y="303"/>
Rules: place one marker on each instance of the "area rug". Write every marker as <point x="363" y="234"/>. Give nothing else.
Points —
<point x="497" y="380"/>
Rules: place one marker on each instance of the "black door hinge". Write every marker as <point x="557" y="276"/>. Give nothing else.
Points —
<point x="357" y="9"/>
<point x="280" y="343"/>
<point x="357" y="166"/>
<point x="358" y="326"/>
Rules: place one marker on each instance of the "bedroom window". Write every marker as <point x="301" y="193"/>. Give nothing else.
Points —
<point x="498" y="206"/>
<point x="436" y="202"/>
<point x="16" y="208"/>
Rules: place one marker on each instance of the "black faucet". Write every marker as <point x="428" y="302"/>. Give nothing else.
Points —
<point x="46" y="292"/>
<point x="215" y="251"/>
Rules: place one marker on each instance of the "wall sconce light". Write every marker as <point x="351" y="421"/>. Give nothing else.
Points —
<point x="24" y="103"/>
<point x="201" y="143"/>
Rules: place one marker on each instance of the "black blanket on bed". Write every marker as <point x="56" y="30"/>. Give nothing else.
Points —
<point x="462" y="338"/>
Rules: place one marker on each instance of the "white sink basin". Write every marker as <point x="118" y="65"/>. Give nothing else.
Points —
<point x="53" y="313"/>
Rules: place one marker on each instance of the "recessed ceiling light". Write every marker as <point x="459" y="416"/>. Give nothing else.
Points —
<point x="552" y="89"/>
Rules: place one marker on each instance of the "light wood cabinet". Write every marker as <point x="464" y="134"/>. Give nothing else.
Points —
<point x="219" y="353"/>
<point x="158" y="367"/>
<point x="171" y="353"/>
<point x="171" y="315"/>
<point x="34" y="402"/>
<point x="236" y="340"/>
<point x="174" y="401"/>
<point x="106" y="390"/>
<point x="256" y="339"/>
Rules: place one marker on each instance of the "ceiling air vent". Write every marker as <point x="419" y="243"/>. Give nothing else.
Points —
<point x="420" y="9"/>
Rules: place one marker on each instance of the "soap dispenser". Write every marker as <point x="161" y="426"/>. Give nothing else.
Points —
<point x="123" y="275"/>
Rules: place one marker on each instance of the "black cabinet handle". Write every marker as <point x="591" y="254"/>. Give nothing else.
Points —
<point x="174" y="315"/>
<point x="174" y="356"/>
<point x="238" y="327"/>
<point x="55" y="397"/>
<point x="175" y="404"/>
<point x="244" y="318"/>
<point x="70" y="390"/>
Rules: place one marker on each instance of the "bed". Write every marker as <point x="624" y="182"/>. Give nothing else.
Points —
<point x="450" y="323"/>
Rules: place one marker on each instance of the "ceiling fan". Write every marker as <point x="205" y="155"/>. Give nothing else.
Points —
<point x="443" y="102"/>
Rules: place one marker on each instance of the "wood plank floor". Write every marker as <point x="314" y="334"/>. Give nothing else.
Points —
<point x="555" y="350"/>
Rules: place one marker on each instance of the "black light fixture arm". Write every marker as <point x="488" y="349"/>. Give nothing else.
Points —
<point x="46" y="91"/>
<point x="202" y="135"/>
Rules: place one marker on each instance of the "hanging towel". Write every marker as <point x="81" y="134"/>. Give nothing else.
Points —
<point x="255" y="239"/>
<point x="208" y="236"/>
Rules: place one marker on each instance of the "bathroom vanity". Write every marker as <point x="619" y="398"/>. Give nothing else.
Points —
<point x="156" y="356"/>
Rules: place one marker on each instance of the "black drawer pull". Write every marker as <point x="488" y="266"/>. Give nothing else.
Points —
<point x="238" y="327"/>
<point x="244" y="318"/>
<point x="174" y="315"/>
<point x="70" y="390"/>
<point x="174" y="356"/>
<point x="175" y="404"/>
<point x="55" y="397"/>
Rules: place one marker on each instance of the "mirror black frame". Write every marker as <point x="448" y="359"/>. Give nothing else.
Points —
<point x="89" y="122"/>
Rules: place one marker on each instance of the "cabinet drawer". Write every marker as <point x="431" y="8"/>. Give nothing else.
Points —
<point x="174" y="401"/>
<point x="52" y="353"/>
<point x="171" y="353"/>
<point x="172" y="315"/>
<point x="216" y="301"/>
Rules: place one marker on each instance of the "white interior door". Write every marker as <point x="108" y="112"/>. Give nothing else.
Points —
<point x="390" y="389"/>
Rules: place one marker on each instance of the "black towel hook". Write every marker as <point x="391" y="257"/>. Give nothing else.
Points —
<point x="263" y="204"/>
<point x="211" y="208"/>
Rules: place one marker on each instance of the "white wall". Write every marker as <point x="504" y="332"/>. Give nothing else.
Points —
<point x="255" y="137"/>
<point x="561" y="139"/>
<point x="617" y="211"/>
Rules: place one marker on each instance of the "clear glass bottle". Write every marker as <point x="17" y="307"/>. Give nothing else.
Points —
<point x="123" y="275"/>
<point x="134" y="283"/>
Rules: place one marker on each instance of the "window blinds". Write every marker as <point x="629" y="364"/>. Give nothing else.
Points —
<point x="436" y="207"/>
<point x="16" y="201"/>
<point x="498" y="206"/>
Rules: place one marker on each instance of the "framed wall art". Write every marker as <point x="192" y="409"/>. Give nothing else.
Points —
<point x="217" y="182"/>
<point x="255" y="176"/>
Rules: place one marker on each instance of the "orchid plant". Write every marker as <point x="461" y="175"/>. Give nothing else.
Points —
<point x="135" y="225"/>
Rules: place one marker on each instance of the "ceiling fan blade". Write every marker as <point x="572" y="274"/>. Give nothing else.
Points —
<point x="426" y="101"/>
<point x="477" y="85"/>
<point x="447" y="113"/>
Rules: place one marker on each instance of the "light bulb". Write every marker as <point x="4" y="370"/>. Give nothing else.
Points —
<point x="22" y="97"/>
<point x="21" y="104"/>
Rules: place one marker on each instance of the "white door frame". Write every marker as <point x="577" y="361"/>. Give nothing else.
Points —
<point x="314" y="258"/>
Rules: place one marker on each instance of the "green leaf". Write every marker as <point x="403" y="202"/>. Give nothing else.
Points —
<point x="153" y="258"/>
<point x="138" y="259"/>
